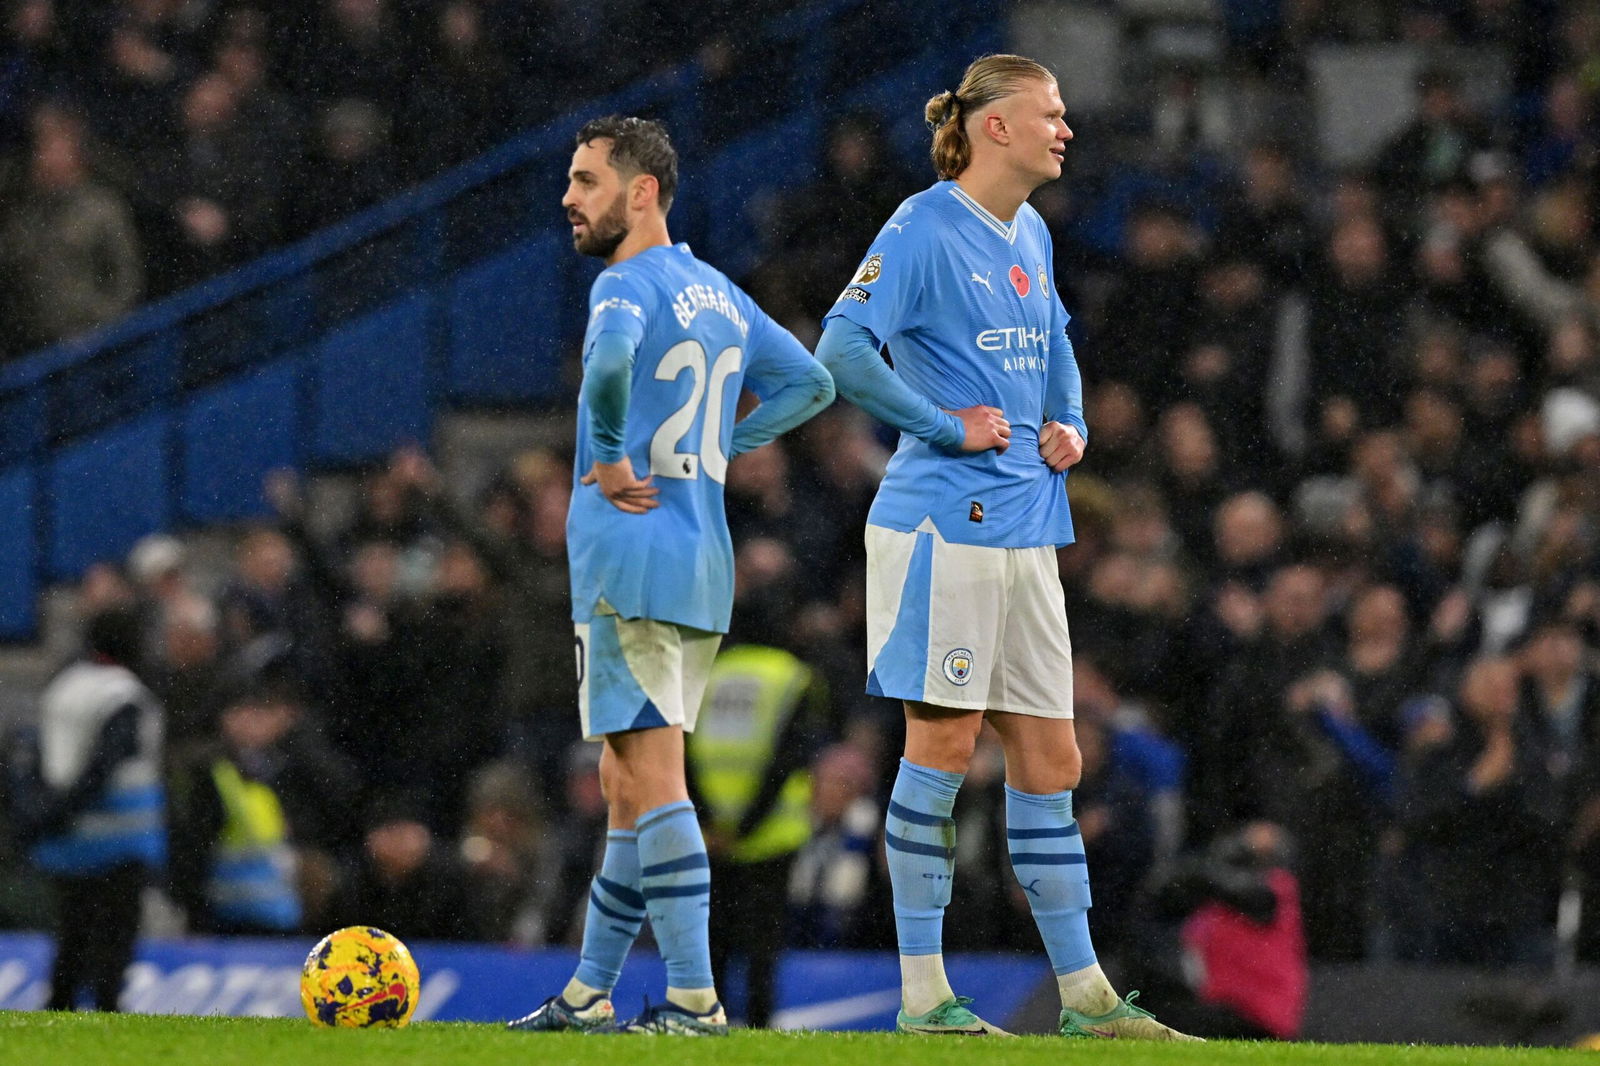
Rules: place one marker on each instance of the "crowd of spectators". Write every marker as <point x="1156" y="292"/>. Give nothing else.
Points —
<point x="149" y="144"/>
<point x="1337" y="577"/>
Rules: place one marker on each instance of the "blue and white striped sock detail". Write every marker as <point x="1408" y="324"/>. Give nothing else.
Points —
<point x="675" y="880"/>
<point x="920" y="838"/>
<point x="615" y="915"/>
<point x="1047" y="856"/>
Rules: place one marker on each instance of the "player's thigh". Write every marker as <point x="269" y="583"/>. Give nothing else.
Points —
<point x="1032" y="702"/>
<point x="649" y="772"/>
<point x="1033" y="669"/>
<point x="941" y="738"/>
<point x="653" y="752"/>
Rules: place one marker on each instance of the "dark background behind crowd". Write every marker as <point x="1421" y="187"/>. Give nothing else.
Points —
<point x="1337" y="579"/>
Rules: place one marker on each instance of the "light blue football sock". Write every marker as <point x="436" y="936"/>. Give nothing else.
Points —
<point x="1047" y="856"/>
<point x="615" y="915"/>
<point x="920" y="838"/>
<point x="675" y="879"/>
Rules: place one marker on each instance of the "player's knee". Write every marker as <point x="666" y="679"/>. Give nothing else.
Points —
<point x="619" y="783"/>
<point x="968" y="745"/>
<point x="620" y="800"/>
<point x="1058" y="769"/>
<point x="1071" y="769"/>
<point x="955" y="747"/>
<point x="942" y="742"/>
<point x="1063" y="769"/>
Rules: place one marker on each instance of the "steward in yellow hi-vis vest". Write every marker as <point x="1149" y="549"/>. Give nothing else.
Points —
<point x="236" y="851"/>
<point x="738" y="759"/>
<point x="748" y="762"/>
<point x="252" y="883"/>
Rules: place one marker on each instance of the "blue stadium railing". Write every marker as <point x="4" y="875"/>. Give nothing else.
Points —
<point x="461" y="293"/>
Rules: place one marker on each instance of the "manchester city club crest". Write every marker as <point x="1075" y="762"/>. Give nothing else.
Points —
<point x="958" y="666"/>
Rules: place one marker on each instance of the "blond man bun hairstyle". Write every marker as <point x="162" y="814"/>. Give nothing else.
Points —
<point x="989" y="78"/>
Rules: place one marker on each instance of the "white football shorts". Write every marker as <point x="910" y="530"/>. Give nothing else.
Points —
<point x="636" y="673"/>
<point x="959" y="625"/>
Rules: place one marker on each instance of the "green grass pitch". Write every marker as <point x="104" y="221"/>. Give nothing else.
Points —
<point x="41" y="1039"/>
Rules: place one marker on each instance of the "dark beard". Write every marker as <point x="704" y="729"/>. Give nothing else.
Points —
<point x="605" y="234"/>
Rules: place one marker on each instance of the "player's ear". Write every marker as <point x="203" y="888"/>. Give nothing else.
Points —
<point x="644" y="191"/>
<point x="994" y="125"/>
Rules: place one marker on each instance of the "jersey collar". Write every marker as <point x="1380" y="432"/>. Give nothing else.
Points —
<point x="1006" y="230"/>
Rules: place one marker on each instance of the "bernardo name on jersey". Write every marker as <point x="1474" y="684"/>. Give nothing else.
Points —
<point x="966" y="306"/>
<point x="696" y="298"/>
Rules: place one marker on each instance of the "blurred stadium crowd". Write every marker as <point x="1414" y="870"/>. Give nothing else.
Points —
<point x="149" y="144"/>
<point x="1336" y="592"/>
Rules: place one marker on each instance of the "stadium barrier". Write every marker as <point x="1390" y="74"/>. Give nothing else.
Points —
<point x="1355" y="1002"/>
<point x="261" y="978"/>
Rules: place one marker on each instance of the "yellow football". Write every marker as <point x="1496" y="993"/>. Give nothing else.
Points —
<point x="359" y="977"/>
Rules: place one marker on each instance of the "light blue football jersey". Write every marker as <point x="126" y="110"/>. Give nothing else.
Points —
<point x="968" y="308"/>
<point x="699" y="341"/>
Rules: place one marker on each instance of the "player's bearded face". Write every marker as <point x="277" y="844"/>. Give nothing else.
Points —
<point x="600" y="237"/>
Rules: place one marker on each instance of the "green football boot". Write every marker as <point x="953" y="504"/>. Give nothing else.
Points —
<point x="950" y="1018"/>
<point x="1124" y="1021"/>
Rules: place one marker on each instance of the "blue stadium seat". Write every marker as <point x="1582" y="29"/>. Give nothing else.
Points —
<point x="18" y="554"/>
<point x="106" y="491"/>
<point x="895" y="97"/>
<point x="371" y="384"/>
<point x="506" y="340"/>
<point x="771" y="161"/>
<point x="233" y="435"/>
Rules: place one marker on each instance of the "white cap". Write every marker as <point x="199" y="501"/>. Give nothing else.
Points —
<point x="1567" y="416"/>
<point x="154" y="556"/>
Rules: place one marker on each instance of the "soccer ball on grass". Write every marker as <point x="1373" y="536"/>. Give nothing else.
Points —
<point x="359" y="977"/>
